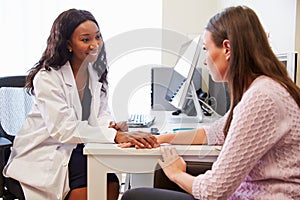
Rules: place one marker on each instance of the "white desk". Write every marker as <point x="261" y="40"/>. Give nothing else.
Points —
<point x="109" y="158"/>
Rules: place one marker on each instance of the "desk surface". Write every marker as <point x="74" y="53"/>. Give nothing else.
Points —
<point x="185" y="150"/>
<point x="131" y="160"/>
<point x="162" y="122"/>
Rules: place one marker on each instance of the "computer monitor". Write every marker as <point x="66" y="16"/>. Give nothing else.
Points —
<point x="181" y="91"/>
<point x="290" y="61"/>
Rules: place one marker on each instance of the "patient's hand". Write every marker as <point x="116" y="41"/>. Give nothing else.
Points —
<point x="171" y="163"/>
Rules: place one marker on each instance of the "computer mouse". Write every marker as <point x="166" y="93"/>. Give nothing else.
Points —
<point x="154" y="131"/>
<point x="177" y="112"/>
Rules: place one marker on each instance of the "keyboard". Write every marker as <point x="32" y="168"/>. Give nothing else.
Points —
<point x="140" y="120"/>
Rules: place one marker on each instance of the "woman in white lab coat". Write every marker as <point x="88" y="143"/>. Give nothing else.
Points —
<point x="70" y="108"/>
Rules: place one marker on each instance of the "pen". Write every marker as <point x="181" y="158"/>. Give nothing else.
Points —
<point x="181" y="129"/>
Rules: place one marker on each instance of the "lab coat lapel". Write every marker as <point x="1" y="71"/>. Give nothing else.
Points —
<point x="72" y="89"/>
<point x="95" y="87"/>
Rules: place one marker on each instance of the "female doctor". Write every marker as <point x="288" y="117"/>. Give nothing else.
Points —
<point x="70" y="87"/>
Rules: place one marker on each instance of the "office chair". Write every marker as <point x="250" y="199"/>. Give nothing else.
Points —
<point x="192" y="167"/>
<point x="15" y="104"/>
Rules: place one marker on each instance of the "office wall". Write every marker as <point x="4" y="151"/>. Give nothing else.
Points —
<point x="278" y="18"/>
<point x="188" y="19"/>
<point x="25" y="25"/>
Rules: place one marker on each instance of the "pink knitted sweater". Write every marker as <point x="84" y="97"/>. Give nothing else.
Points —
<point x="260" y="158"/>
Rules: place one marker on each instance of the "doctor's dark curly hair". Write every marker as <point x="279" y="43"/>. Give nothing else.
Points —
<point x="56" y="53"/>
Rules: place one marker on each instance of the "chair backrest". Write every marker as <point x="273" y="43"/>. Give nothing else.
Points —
<point x="15" y="104"/>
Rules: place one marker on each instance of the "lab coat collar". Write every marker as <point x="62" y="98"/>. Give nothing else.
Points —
<point x="69" y="80"/>
<point x="67" y="74"/>
<point x="95" y="87"/>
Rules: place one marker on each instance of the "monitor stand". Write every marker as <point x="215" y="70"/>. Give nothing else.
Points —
<point x="181" y="117"/>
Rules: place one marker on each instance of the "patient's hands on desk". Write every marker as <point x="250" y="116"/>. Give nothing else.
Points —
<point x="137" y="139"/>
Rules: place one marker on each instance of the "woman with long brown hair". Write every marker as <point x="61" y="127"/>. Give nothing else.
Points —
<point x="260" y="133"/>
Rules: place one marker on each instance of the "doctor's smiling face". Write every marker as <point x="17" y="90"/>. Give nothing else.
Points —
<point x="216" y="58"/>
<point x="85" y="43"/>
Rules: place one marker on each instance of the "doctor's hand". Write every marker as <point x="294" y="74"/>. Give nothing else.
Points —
<point x="137" y="139"/>
<point x="119" y="126"/>
<point x="171" y="163"/>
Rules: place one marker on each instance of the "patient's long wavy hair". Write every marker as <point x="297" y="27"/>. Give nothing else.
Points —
<point x="56" y="53"/>
<point x="250" y="53"/>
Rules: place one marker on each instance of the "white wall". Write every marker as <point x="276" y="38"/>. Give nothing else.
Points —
<point x="278" y="18"/>
<point x="188" y="19"/>
<point x="26" y="25"/>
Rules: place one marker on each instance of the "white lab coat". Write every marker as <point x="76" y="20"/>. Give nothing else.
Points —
<point x="42" y="148"/>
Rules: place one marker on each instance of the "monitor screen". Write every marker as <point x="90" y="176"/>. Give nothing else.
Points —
<point x="290" y="60"/>
<point x="181" y="88"/>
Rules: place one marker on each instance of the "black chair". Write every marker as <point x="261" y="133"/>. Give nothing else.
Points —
<point x="192" y="167"/>
<point x="9" y="188"/>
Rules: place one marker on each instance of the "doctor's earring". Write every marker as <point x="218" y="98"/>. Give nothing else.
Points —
<point x="70" y="50"/>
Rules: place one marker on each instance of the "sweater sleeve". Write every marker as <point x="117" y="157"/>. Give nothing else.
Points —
<point x="254" y="129"/>
<point x="214" y="132"/>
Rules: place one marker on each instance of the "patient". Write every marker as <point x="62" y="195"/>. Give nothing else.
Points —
<point x="260" y="133"/>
